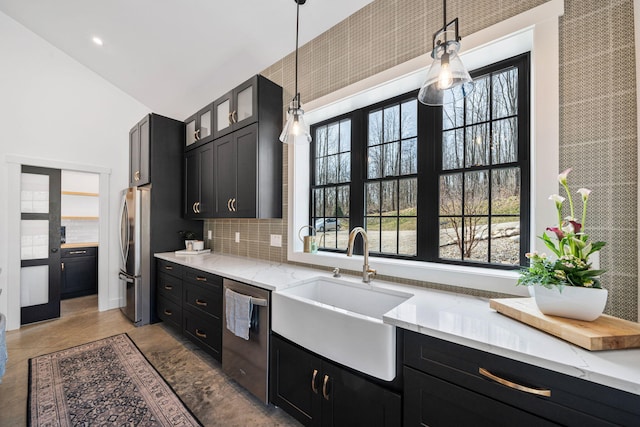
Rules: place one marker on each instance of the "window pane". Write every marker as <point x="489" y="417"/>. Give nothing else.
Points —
<point x="450" y="238"/>
<point x="505" y="240"/>
<point x="409" y="126"/>
<point x="389" y="235"/>
<point x="476" y="193"/>
<point x="392" y="123"/>
<point x="452" y="149"/>
<point x="374" y="161"/>
<point x="343" y="202"/>
<point x="389" y="198"/>
<point x="321" y="171"/>
<point x="332" y="169"/>
<point x="477" y="102"/>
<point x="373" y="198"/>
<point x="372" y="225"/>
<point x="408" y="196"/>
<point x="409" y="159"/>
<point x="408" y="236"/>
<point x="333" y="135"/>
<point x="505" y="93"/>
<point x="342" y="233"/>
<point x="505" y="191"/>
<point x="375" y="128"/>
<point x="321" y="141"/>
<point x="451" y="194"/>
<point x="331" y="201"/>
<point x="345" y="168"/>
<point x="345" y="136"/>
<point x="504" y="146"/>
<point x="391" y="159"/>
<point x="477" y="143"/>
<point x="475" y="239"/>
<point x="318" y="202"/>
<point x="453" y="115"/>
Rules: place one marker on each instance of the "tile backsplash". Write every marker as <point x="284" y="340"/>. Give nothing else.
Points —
<point x="81" y="231"/>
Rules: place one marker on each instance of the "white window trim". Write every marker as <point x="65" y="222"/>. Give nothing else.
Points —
<point x="537" y="31"/>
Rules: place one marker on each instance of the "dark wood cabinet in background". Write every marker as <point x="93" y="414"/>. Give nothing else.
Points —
<point x="199" y="182"/>
<point x="239" y="107"/>
<point x="319" y="393"/>
<point x="79" y="267"/>
<point x="139" y="148"/>
<point x="199" y="127"/>
<point x="449" y="384"/>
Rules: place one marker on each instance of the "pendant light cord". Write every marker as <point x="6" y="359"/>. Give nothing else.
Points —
<point x="297" y="31"/>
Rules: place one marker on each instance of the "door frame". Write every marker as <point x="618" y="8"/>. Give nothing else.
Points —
<point x="14" y="167"/>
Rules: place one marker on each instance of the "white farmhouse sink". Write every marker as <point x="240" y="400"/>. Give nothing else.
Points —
<point x="342" y="321"/>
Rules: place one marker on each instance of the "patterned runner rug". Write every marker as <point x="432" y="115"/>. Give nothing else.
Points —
<point x="105" y="382"/>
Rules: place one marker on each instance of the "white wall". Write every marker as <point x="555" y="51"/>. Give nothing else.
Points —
<point x="56" y="112"/>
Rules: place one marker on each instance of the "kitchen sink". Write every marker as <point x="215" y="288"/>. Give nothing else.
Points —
<point x="342" y="321"/>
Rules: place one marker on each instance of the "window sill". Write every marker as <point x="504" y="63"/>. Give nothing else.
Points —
<point x="485" y="279"/>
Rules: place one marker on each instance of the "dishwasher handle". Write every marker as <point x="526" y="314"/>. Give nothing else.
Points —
<point x="259" y="301"/>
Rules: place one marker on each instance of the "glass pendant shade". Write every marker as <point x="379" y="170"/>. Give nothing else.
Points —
<point x="447" y="79"/>
<point x="295" y="129"/>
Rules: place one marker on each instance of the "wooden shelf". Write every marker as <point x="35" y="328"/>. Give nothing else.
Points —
<point x="79" y="193"/>
<point x="82" y="218"/>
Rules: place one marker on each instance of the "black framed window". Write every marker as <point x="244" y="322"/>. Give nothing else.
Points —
<point x="442" y="184"/>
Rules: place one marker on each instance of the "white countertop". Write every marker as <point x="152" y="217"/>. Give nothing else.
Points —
<point x="457" y="318"/>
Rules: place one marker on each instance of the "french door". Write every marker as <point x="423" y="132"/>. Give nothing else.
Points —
<point x="40" y="244"/>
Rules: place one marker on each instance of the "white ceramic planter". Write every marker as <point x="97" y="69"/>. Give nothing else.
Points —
<point x="573" y="302"/>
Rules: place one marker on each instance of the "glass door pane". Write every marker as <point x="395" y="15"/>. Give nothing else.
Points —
<point x="205" y="124"/>
<point x="190" y="132"/>
<point x="222" y="113"/>
<point x="245" y="104"/>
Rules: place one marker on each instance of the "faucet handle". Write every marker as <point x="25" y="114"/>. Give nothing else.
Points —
<point x="371" y="272"/>
<point x="336" y="272"/>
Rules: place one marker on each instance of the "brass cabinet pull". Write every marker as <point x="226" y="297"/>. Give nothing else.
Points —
<point x="194" y="207"/>
<point x="200" y="302"/>
<point x="168" y="287"/>
<point x="62" y="265"/>
<point x="229" y="205"/>
<point x="197" y="134"/>
<point x="230" y="119"/>
<point x="313" y="381"/>
<point x="168" y="267"/>
<point x="201" y="279"/>
<point x="536" y="391"/>
<point x="324" y="387"/>
<point x="233" y="205"/>
<point x="234" y="116"/>
<point x="77" y="252"/>
<point x="200" y="334"/>
<point x="168" y="313"/>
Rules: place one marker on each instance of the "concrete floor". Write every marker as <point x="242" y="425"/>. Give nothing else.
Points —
<point x="195" y="376"/>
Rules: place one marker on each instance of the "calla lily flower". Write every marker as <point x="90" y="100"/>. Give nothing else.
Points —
<point x="576" y="226"/>
<point x="557" y="198"/>
<point x="584" y="192"/>
<point x="558" y="232"/>
<point x="562" y="178"/>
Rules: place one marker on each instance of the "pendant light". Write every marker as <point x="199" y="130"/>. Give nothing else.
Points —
<point x="295" y="129"/>
<point x="447" y="80"/>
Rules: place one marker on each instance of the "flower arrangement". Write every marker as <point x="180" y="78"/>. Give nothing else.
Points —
<point x="571" y="266"/>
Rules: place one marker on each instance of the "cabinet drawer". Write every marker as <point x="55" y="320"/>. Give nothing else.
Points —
<point x="206" y="299"/>
<point x="78" y="252"/>
<point x="170" y="268"/>
<point x="169" y="287"/>
<point x="206" y="331"/>
<point x="170" y="312"/>
<point x="571" y="401"/>
<point x="202" y="278"/>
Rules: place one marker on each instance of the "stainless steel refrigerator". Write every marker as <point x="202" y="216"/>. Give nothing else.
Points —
<point x="135" y="254"/>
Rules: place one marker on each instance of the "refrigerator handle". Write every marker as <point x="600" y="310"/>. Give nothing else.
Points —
<point x="124" y="225"/>
<point x="126" y="277"/>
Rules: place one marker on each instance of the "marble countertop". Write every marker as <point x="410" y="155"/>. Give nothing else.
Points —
<point x="457" y="318"/>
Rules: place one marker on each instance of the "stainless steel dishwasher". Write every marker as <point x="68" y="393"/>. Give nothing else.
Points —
<point x="247" y="361"/>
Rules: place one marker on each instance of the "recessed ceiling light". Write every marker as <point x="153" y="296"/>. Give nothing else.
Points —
<point x="97" y="40"/>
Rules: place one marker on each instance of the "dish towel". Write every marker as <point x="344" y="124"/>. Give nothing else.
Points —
<point x="3" y="345"/>
<point x="238" y="313"/>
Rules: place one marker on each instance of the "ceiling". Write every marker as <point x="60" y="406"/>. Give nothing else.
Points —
<point x="175" y="56"/>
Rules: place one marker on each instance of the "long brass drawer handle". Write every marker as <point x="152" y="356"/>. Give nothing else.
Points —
<point x="324" y="387"/>
<point x="536" y="391"/>
<point x="168" y="312"/>
<point x="200" y="302"/>
<point x="201" y="279"/>
<point x="168" y="267"/>
<point x="200" y="334"/>
<point x="168" y="287"/>
<point x="313" y="381"/>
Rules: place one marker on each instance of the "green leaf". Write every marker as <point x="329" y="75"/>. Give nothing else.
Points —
<point x="550" y="244"/>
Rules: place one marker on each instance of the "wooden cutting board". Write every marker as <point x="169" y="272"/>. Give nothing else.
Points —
<point x="604" y="333"/>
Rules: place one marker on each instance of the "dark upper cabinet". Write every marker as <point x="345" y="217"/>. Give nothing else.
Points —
<point x="199" y="127"/>
<point x="139" y="137"/>
<point x="199" y="182"/>
<point x="239" y="107"/>
<point x="319" y="393"/>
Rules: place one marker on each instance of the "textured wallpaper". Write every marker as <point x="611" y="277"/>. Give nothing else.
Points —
<point x="598" y="136"/>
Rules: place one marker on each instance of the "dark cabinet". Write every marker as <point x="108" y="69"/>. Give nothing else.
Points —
<point x="139" y="153"/>
<point x="449" y="384"/>
<point x="169" y="293"/>
<point x="238" y="107"/>
<point x="199" y="182"/>
<point x="318" y="392"/>
<point x="79" y="267"/>
<point x="248" y="175"/>
<point x="199" y="127"/>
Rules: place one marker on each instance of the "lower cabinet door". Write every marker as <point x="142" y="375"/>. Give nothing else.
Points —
<point x="430" y="401"/>
<point x="204" y="330"/>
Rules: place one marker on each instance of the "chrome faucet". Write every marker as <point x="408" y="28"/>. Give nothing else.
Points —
<point x="367" y="273"/>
